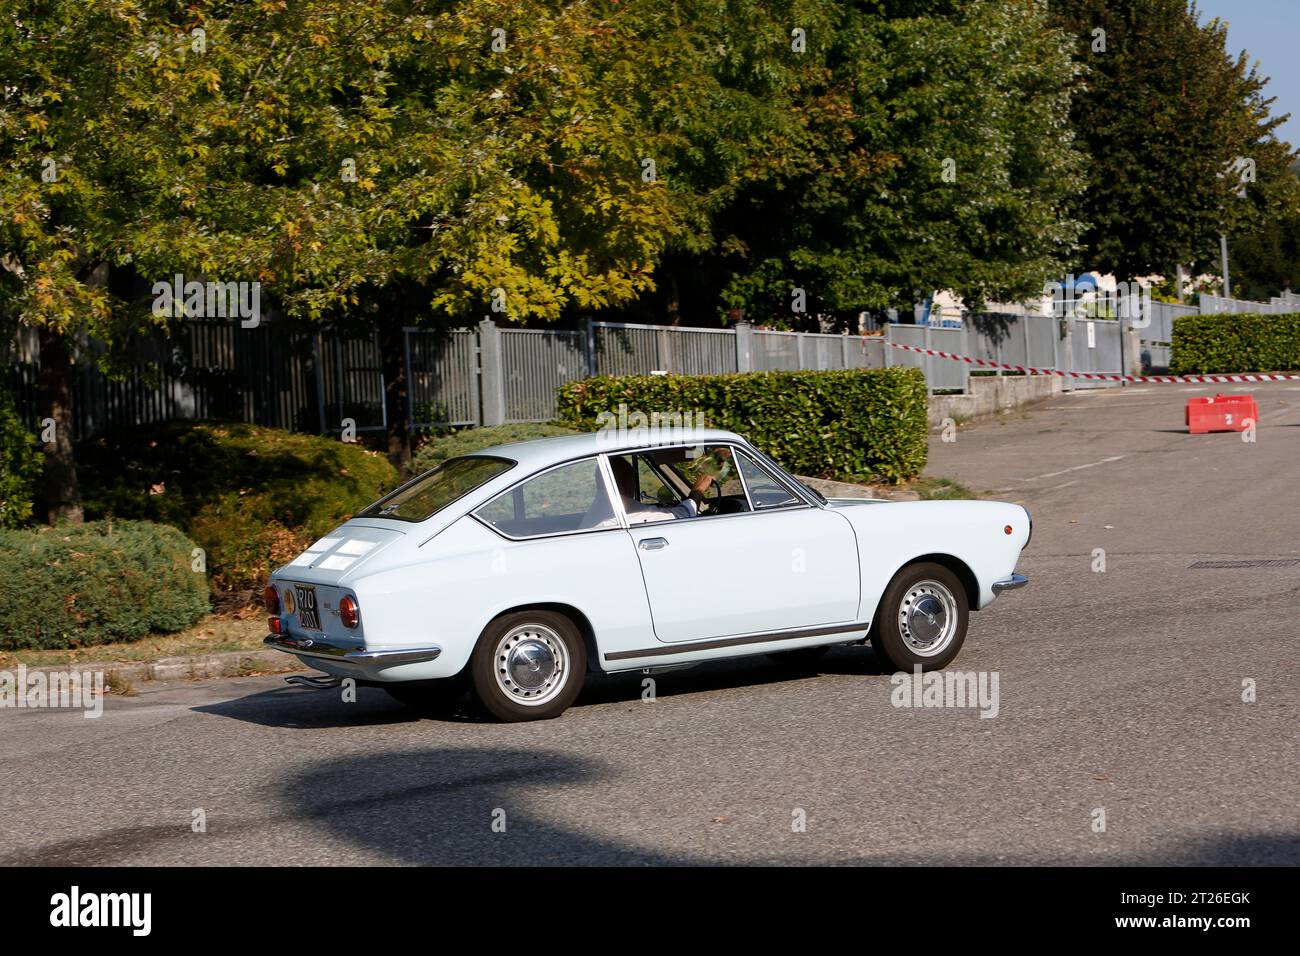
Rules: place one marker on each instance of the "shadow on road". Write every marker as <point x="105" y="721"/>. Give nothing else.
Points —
<point x="437" y="807"/>
<point x="306" y="709"/>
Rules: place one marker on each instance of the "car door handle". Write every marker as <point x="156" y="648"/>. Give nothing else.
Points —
<point x="653" y="544"/>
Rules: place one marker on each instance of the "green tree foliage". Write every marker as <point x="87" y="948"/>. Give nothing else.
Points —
<point x="20" y="467"/>
<point x="486" y="153"/>
<point x="1172" y="125"/>
<point x="920" y="145"/>
<point x="1266" y="259"/>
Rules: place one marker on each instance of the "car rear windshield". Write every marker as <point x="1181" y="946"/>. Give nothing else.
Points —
<point x="431" y="492"/>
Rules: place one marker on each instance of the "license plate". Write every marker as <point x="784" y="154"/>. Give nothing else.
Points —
<point x="308" y="615"/>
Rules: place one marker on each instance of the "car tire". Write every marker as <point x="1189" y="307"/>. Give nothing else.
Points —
<point x="800" y="658"/>
<point x="528" y="665"/>
<point x="429" y="696"/>
<point x="922" y="618"/>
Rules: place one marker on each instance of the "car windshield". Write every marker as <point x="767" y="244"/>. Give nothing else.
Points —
<point x="435" y="490"/>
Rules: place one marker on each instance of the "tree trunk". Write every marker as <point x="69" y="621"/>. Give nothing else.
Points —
<point x="60" y="497"/>
<point x="392" y="350"/>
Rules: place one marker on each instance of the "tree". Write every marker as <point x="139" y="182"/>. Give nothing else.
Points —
<point x="1266" y="260"/>
<point x="342" y="155"/>
<point x="1171" y="124"/>
<point x="907" y="146"/>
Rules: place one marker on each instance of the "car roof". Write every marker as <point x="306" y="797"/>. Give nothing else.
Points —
<point x="540" y="452"/>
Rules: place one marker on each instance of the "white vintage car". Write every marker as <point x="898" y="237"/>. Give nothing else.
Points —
<point x="515" y="571"/>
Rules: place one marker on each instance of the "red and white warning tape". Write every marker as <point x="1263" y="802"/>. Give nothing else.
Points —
<point x="1030" y="370"/>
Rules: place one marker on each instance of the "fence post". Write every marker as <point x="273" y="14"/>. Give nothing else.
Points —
<point x="491" y="374"/>
<point x="801" y="350"/>
<point x="928" y="363"/>
<point x="589" y="345"/>
<point x="1067" y="342"/>
<point x="319" y="374"/>
<point x="410" y="382"/>
<point x="744" y="347"/>
<point x="889" y="337"/>
<point x="1133" y="345"/>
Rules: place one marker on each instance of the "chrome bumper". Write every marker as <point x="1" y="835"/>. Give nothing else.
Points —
<point x="319" y="647"/>
<point x="1010" y="584"/>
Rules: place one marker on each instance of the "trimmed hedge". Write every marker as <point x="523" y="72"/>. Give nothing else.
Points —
<point x="252" y="497"/>
<point x="867" y="424"/>
<point x="1243" y="342"/>
<point x="103" y="581"/>
<point x="469" y="440"/>
<point x="20" y="467"/>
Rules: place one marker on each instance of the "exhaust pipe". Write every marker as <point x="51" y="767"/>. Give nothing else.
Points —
<point x="317" y="683"/>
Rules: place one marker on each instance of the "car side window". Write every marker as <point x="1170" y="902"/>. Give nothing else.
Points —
<point x="765" y="492"/>
<point x="651" y="485"/>
<point x="569" y="498"/>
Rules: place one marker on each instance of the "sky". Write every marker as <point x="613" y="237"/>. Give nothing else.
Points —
<point x="1269" y="31"/>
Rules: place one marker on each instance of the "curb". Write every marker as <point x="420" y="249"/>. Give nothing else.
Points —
<point x="193" y="667"/>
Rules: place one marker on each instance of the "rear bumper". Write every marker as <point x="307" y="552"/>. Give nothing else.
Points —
<point x="351" y="654"/>
<point x="1010" y="584"/>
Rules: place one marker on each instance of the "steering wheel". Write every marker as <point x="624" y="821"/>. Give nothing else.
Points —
<point x="719" y="505"/>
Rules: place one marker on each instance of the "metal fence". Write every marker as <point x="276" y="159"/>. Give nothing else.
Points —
<point x="273" y="376"/>
<point x="1288" y="301"/>
<point x="623" y="349"/>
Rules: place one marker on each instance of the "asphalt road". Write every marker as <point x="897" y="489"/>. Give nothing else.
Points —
<point x="1120" y="691"/>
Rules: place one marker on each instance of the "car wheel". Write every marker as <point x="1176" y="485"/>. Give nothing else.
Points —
<point x="528" y="665"/>
<point x="800" y="657"/>
<point x="429" y="696"/>
<point x="922" y="618"/>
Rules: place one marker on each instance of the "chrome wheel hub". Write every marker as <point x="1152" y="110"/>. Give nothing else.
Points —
<point x="927" y="618"/>
<point x="532" y="664"/>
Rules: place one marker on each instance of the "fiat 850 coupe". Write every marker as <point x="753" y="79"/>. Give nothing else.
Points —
<point x="513" y="572"/>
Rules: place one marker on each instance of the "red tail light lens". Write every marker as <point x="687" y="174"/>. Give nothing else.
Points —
<point x="274" y="624"/>
<point x="348" y="613"/>
<point x="271" y="598"/>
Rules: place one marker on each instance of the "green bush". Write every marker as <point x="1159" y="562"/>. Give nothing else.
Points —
<point x="853" y="424"/>
<point x="1245" y="342"/>
<point x="251" y="497"/>
<point x="468" y="440"/>
<point x="103" y="581"/>
<point x="20" y="467"/>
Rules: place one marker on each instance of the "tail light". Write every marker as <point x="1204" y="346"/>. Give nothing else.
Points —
<point x="274" y="624"/>
<point x="348" y="612"/>
<point x="271" y="598"/>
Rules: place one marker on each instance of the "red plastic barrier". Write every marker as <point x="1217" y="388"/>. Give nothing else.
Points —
<point x="1222" y="413"/>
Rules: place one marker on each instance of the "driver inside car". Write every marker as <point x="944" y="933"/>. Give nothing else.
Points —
<point x="640" y="513"/>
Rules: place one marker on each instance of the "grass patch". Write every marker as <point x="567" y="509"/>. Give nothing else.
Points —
<point x="215" y="634"/>
<point x="941" y="489"/>
<point x="120" y="685"/>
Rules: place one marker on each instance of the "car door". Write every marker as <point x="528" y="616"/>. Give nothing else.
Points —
<point x="782" y="565"/>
